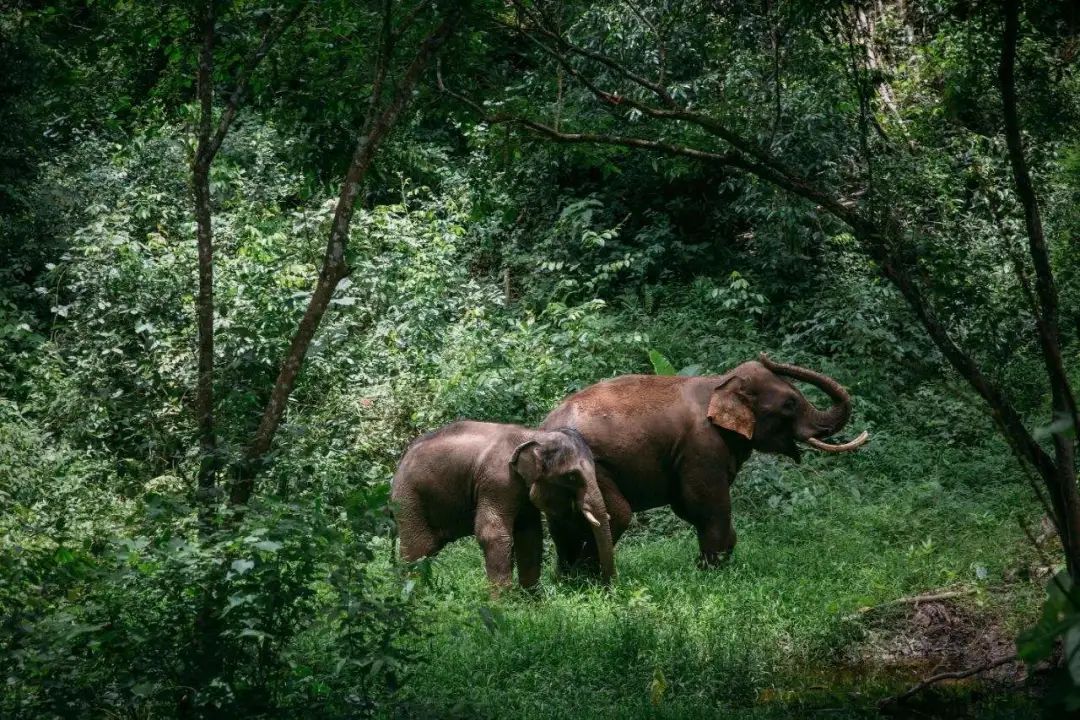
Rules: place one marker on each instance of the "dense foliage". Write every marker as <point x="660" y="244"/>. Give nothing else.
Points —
<point x="493" y="269"/>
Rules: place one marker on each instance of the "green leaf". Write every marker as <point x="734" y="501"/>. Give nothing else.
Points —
<point x="242" y="566"/>
<point x="1060" y="616"/>
<point x="661" y="365"/>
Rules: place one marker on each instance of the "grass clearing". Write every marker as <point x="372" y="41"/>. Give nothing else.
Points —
<point x="765" y="635"/>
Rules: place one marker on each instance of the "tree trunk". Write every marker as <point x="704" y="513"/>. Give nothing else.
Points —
<point x="204" y="388"/>
<point x="205" y="661"/>
<point x="1062" y="486"/>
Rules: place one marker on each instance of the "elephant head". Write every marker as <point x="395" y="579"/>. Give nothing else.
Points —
<point x="559" y="469"/>
<point x="756" y="401"/>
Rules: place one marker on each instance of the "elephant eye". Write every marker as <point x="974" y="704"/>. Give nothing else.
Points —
<point x="789" y="405"/>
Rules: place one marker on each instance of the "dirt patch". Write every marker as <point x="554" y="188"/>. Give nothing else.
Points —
<point x="937" y="636"/>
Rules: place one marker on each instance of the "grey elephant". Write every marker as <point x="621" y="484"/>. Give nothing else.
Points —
<point x="493" y="480"/>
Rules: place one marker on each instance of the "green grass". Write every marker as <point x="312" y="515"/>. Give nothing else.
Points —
<point x="761" y="637"/>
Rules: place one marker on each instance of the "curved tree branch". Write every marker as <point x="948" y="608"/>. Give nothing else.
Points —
<point x="763" y="163"/>
<point x="541" y="25"/>
<point x="940" y="677"/>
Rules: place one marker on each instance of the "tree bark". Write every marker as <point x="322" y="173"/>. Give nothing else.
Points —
<point x="200" y="175"/>
<point x="206" y="661"/>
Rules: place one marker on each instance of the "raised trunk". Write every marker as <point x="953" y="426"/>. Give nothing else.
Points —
<point x="831" y="421"/>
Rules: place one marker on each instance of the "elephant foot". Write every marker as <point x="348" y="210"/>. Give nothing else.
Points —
<point x="716" y="560"/>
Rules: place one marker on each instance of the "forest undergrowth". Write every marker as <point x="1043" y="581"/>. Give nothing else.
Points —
<point x="250" y="250"/>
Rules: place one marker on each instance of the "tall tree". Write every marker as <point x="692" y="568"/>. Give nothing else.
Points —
<point x="388" y="99"/>
<point x="208" y="143"/>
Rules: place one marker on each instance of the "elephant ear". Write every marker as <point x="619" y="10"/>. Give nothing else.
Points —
<point x="526" y="461"/>
<point x="730" y="407"/>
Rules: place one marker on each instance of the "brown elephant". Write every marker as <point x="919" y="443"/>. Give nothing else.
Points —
<point x="679" y="441"/>
<point x="493" y="481"/>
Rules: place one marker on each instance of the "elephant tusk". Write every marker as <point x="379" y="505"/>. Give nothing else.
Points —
<point x="592" y="518"/>
<point x="844" y="447"/>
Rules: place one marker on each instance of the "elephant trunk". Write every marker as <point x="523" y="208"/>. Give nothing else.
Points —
<point x="595" y="511"/>
<point x="823" y="423"/>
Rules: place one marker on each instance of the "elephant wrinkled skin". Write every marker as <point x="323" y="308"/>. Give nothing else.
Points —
<point x="679" y="441"/>
<point x="493" y="481"/>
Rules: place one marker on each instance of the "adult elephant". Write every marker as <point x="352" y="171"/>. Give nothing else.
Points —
<point x="679" y="441"/>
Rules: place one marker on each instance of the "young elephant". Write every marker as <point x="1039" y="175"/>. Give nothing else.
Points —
<point x="478" y="478"/>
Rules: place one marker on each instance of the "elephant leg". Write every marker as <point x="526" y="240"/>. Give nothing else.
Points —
<point x="704" y="500"/>
<point x="528" y="547"/>
<point x="716" y="542"/>
<point x="416" y="538"/>
<point x="496" y="537"/>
